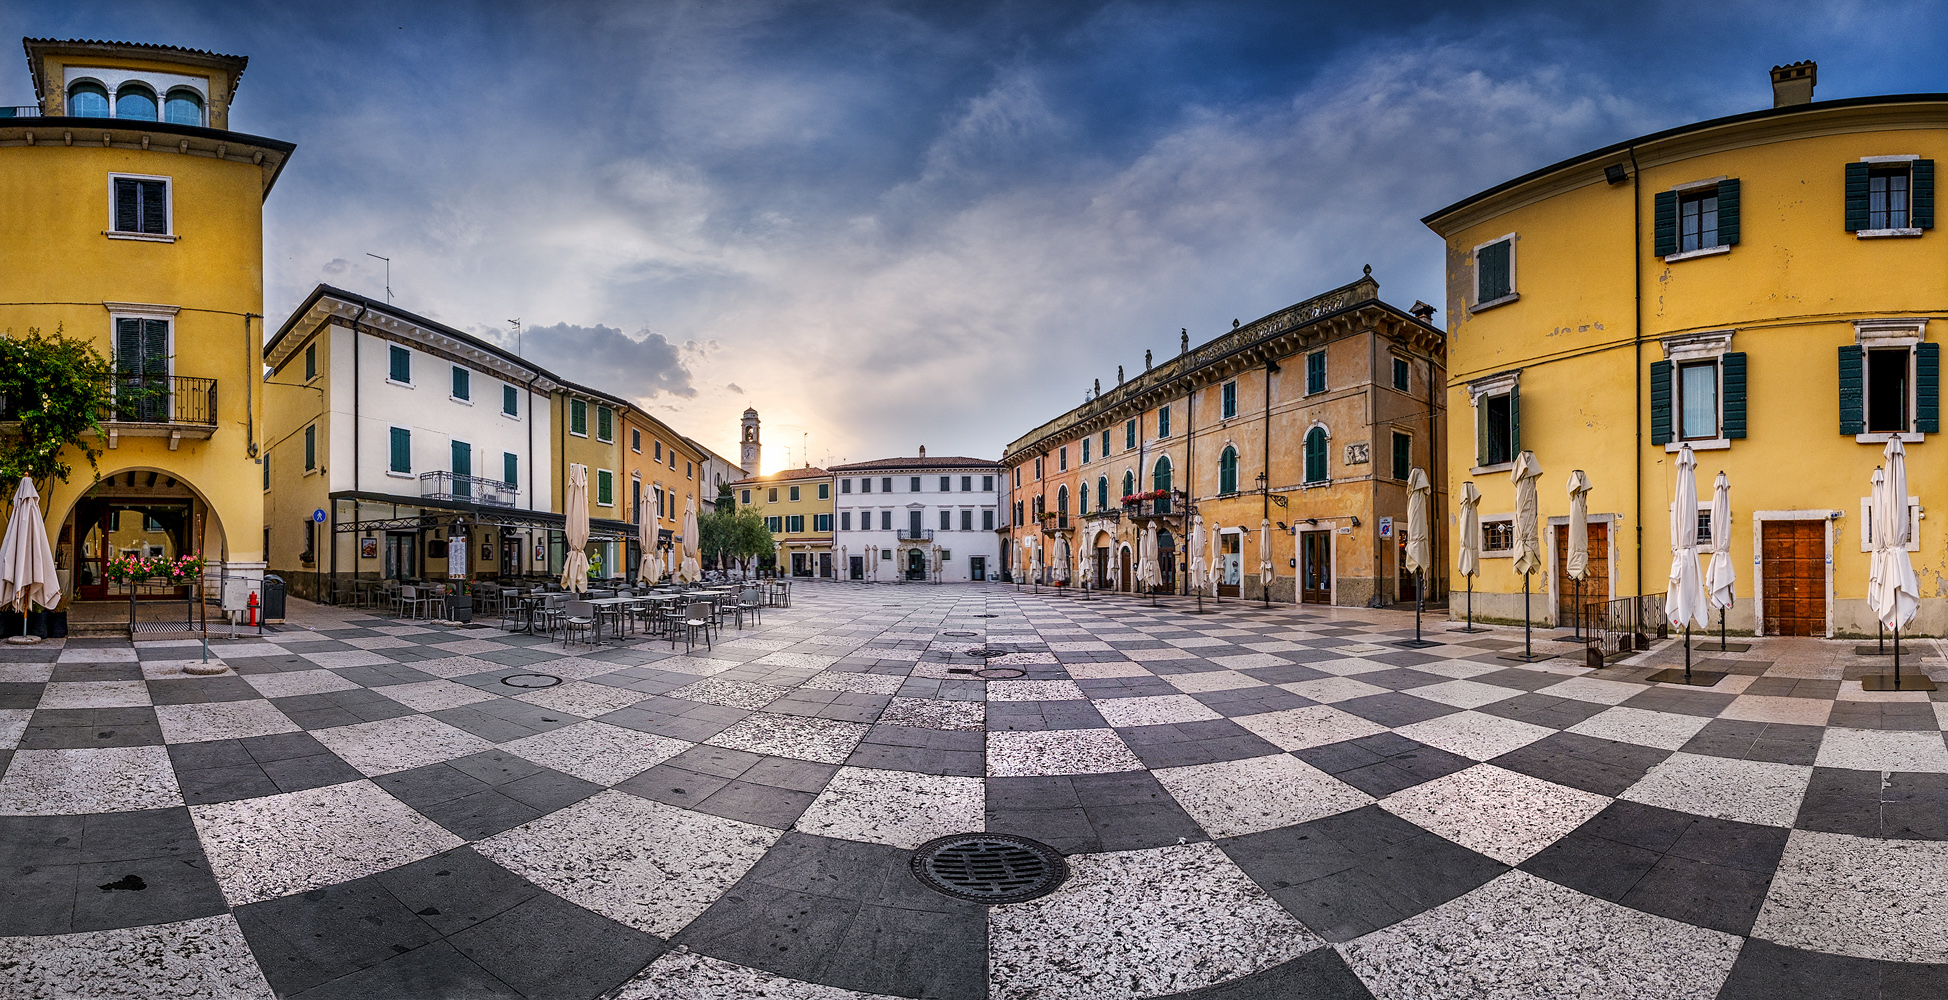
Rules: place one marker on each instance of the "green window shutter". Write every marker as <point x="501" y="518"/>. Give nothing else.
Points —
<point x="1664" y="225"/>
<point x="1733" y="377"/>
<point x="462" y="458"/>
<point x="1660" y="402"/>
<point x="402" y="364"/>
<point x="311" y="447"/>
<point x="510" y="468"/>
<point x="1492" y="272"/>
<point x="1514" y="420"/>
<point x="402" y="450"/>
<point x="1856" y="197"/>
<point x="1728" y="212"/>
<point x="1927" y="385"/>
<point x="1852" y="420"/>
<point x="1481" y="431"/>
<point x="1921" y="190"/>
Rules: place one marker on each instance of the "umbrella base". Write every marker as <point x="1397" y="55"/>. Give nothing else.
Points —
<point x="1573" y="638"/>
<point x="1675" y="675"/>
<point x="1888" y="682"/>
<point x="1467" y="628"/>
<point x="1417" y="643"/>
<point x="1887" y="650"/>
<point x="1527" y="657"/>
<point x="1725" y="647"/>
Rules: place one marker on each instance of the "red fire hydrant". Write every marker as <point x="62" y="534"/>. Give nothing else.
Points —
<point x="253" y="609"/>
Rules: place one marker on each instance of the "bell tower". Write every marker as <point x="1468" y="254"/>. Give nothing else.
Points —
<point x="750" y="450"/>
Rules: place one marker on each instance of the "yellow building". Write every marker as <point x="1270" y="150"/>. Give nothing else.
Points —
<point x="1763" y="287"/>
<point x="663" y="473"/>
<point x="588" y="432"/>
<point x="132" y="216"/>
<point x="797" y="505"/>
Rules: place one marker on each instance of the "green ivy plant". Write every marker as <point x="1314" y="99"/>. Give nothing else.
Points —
<point x="53" y="391"/>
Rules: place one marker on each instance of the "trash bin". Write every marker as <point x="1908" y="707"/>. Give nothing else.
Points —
<point x="272" y="601"/>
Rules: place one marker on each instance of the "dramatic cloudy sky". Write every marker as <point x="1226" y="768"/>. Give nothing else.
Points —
<point x="894" y="224"/>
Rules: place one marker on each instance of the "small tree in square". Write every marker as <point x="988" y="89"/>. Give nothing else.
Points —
<point x="56" y="389"/>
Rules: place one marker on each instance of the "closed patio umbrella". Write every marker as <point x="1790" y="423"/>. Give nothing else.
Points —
<point x="1578" y="558"/>
<point x="1528" y="549"/>
<point x="27" y="571"/>
<point x="1195" y="546"/>
<point x="1265" y="574"/>
<point x="1892" y="589"/>
<point x="1720" y="574"/>
<point x="1151" y="575"/>
<point x="646" y="540"/>
<point x="691" y="571"/>
<point x="1419" y="546"/>
<point x="1685" y="600"/>
<point x="1470" y="565"/>
<point x="574" y="569"/>
<point x="1059" y="570"/>
<point x="1217" y="559"/>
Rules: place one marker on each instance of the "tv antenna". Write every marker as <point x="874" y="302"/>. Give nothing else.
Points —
<point x="516" y="324"/>
<point x="388" y="261"/>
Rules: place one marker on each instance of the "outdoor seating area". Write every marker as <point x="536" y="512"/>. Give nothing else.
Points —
<point x="693" y="614"/>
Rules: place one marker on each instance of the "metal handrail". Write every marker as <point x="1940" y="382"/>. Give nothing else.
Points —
<point x="1640" y="617"/>
<point x="472" y="489"/>
<point x="165" y="399"/>
<point x="909" y="535"/>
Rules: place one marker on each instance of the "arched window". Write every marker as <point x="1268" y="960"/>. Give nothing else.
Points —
<point x="1062" y="505"/>
<point x="1102" y="492"/>
<point x="1228" y="471"/>
<point x="1129" y="484"/>
<point x="183" y="107"/>
<point x="1160" y="480"/>
<point x="135" y="101"/>
<point x="1082" y="498"/>
<point x="1315" y="455"/>
<point x="88" y="100"/>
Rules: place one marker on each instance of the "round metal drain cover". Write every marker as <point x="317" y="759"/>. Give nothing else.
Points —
<point x="962" y="634"/>
<point x="989" y="867"/>
<point x="1000" y="673"/>
<point x="987" y="652"/>
<point x="531" y="680"/>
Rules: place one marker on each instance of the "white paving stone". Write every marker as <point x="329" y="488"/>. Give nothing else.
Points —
<point x="1311" y="726"/>
<point x="292" y="683"/>
<point x="597" y="751"/>
<point x="13" y="723"/>
<point x="1748" y="791"/>
<point x="198" y="959"/>
<point x="1503" y="814"/>
<point x="652" y="866"/>
<point x="115" y="654"/>
<point x="1328" y="690"/>
<point x="861" y="683"/>
<point x="276" y="845"/>
<point x="690" y="976"/>
<point x="399" y="744"/>
<point x="1475" y="735"/>
<point x="434" y="695"/>
<point x="1883" y="750"/>
<point x="95" y="694"/>
<point x="584" y="698"/>
<point x="1066" y="751"/>
<point x="1140" y="924"/>
<point x="1236" y="797"/>
<point x="1154" y="710"/>
<point x="221" y="720"/>
<point x="1663" y="730"/>
<point x="897" y="808"/>
<point x="826" y="741"/>
<point x="1207" y="680"/>
<point x="88" y="780"/>
<point x="1859" y="896"/>
<point x="1026" y="690"/>
<point x="935" y="713"/>
<point x="747" y="695"/>
<point x="1594" y="689"/>
<point x="1464" y="693"/>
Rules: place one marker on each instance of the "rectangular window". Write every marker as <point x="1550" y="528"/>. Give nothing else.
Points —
<point x="1017" y="521"/>
<point x="967" y="520"/>
<point x="462" y="383"/>
<point x="672" y="459"/>
<point x="510" y="468"/>
<point x="1163" y="421"/>
<point x="142" y="206"/>
<point x="657" y="447"/>
<point x="824" y="489"/>
<point x="745" y="498"/>
<point x="1498" y="430"/>
<point x="794" y="494"/>
<point x="1887" y="391"/>
<point x="605" y="494"/>
<point x="967" y="484"/>
<point x="987" y="484"/>
<point x="510" y="401"/>
<point x="310" y="362"/>
<point x="845" y="486"/>
<point x="886" y="484"/>
<point x="794" y="523"/>
<point x="1887" y="197"/>
<point x="772" y="495"/>
<point x="604" y="424"/>
<point x="946" y="520"/>
<point x="402" y="364"/>
<point x="1229" y="397"/>
<point x="914" y="485"/>
<point x="266" y="463"/>
<point x="578" y="418"/>
<point x="311" y="447"/>
<point x="774" y="524"/>
<point x="1085" y="451"/>
<point x="1400" y="374"/>
<point x="635" y="440"/>
<point x="947" y="482"/>
<point x="885" y="520"/>
<point x="402" y="450"/>
<point x="690" y="472"/>
<point x="821" y="522"/>
<point x="1494" y="271"/>
<point x="1129" y="434"/>
<point x="1038" y="468"/>
<point x="1697" y="400"/>
<point x="1062" y="459"/>
<point x="866" y="485"/>
<point x="845" y="520"/>
<point x="987" y="520"/>
<point x="1403" y="455"/>
<point x="1697" y="220"/>
<point x="1497" y="536"/>
<point x="1315" y="372"/>
<point x="1105" y="455"/>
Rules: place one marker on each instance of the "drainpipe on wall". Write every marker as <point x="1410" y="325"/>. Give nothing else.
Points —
<point x="1637" y="354"/>
<point x="1265" y="500"/>
<point x="250" y="398"/>
<point x="356" y="457"/>
<point x="1373" y="475"/>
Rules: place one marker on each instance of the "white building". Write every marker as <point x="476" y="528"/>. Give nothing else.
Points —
<point x="898" y="517"/>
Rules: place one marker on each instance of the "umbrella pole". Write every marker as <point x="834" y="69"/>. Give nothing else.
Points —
<point x="1897" y="657"/>
<point x="1687" y="651"/>
<point x="1880" y="636"/>
<point x="1471" y="604"/>
<point x="1526" y="651"/>
<point x="1420" y="586"/>
<point x="1722" y="648"/>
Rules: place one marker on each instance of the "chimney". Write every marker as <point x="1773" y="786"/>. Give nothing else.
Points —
<point x="923" y="451"/>
<point x="1793" y="83"/>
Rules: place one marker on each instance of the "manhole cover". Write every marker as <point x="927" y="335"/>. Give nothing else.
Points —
<point x="988" y="652"/>
<point x="989" y="867"/>
<point x="987" y="616"/>
<point x="531" y="680"/>
<point x="961" y="633"/>
<point x="1000" y="673"/>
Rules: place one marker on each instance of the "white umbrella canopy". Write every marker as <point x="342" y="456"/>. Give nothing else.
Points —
<point x="574" y="569"/>
<point x="1720" y="575"/>
<point x="1470" y="530"/>
<point x="1084" y="565"/>
<point x="1578" y="559"/>
<point x="646" y="541"/>
<point x="1195" y="546"/>
<point x="1419" y="532"/>
<point x="1152" y="573"/>
<point x="1685" y="601"/>
<point x="27" y="571"/>
<point x="1893" y="591"/>
<point x="1265" y="554"/>
<point x="1034" y="558"/>
<point x="1059" y="570"/>
<point x="1528" y="548"/>
<point x="690" y="571"/>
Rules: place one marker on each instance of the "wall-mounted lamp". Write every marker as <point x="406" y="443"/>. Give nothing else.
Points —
<point x="1312" y="520"/>
<point x="1615" y="174"/>
<point x="1282" y="527"/>
<point x="1356" y="520"/>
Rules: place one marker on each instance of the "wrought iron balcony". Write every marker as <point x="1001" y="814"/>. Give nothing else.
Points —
<point x="912" y="535"/>
<point x="165" y="399"/>
<point x="21" y="111"/>
<point x="470" y="489"/>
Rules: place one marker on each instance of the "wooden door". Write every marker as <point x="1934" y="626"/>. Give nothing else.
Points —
<point x="1315" y="580"/>
<point x="1123" y="570"/>
<point x="1793" y="564"/>
<point x="1594" y="589"/>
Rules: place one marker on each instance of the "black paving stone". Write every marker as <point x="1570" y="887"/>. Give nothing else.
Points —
<point x="1593" y="765"/>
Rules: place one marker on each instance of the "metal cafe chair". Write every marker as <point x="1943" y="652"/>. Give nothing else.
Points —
<point x="695" y="617"/>
<point x="580" y="620"/>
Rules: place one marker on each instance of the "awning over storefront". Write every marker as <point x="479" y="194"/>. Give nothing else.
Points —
<point x="414" y="513"/>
